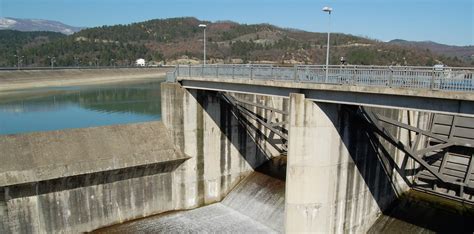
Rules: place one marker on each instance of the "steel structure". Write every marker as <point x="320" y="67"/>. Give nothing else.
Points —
<point x="445" y="158"/>
<point x="277" y="135"/>
<point x="446" y="78"/>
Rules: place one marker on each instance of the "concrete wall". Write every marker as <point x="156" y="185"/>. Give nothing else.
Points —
<point x="222" y="151"/>
<point x="25" y="79"/>
<point x="82" y="179"/>
<point x="339" y="178"/>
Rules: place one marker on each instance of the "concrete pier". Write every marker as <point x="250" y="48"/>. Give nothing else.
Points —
<point x="337" y="177"/>
<point x="222" y="152"/>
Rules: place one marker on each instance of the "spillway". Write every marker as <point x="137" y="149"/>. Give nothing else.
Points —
<point x="256" y="204"/>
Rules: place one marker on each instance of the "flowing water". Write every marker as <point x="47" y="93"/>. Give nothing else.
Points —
<point x="256" y="205"/>
<point x="79" y="107"/>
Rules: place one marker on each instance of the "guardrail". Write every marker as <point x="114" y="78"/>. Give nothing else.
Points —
<point x="446" y="78"/>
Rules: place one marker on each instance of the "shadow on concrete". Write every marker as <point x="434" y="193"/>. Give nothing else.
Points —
<point x="416" y="212"/>
<point x="248" y="138"/>
<point x="367" y="153"/>
<point x="374" y="162"/>
<point x="86" y="180"/>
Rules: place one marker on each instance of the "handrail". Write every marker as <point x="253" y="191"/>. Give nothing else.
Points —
<point x="433" y="78"/>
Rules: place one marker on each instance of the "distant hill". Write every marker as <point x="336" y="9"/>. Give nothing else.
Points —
<point x="462" y="52"/>
<point x="179" y="40"/>
<point x="14" y="43"/>
<point x="31" y="25"/>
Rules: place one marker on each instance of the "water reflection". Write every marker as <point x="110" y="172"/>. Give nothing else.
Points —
<point x="77" y="107"/>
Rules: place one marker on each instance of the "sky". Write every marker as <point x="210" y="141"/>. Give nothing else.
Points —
<point x="444" y="21"/>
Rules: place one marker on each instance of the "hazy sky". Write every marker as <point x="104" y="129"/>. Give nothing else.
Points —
<point x="445" y="21"/>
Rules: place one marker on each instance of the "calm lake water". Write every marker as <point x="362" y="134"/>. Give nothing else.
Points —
<point x="79" y="107"/>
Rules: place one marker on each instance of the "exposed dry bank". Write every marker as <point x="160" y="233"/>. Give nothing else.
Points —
<point x="27" y="79"/>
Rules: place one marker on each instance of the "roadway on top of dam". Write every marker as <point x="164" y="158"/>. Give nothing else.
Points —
<point x="448" y="91"/>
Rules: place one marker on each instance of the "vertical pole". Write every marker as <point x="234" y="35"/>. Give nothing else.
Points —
<point x="390" y="79"/>
<point x="204" y="46"/>
<point x="432" y="79"/>
<point x="271" y="72"/>
<point x="251" y="71"/>
<point x="177" y="70"/>
<point x="189" y="68"/>
<point x="233" y="71"/>
<point x="327" y="52"/>
<point x="295" y="74"/>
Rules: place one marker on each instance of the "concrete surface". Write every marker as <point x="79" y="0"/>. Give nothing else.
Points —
<point x="461" y="103"/>
<point x="56" y="154"/>
<point x="337" y="178"/>
<point x="222" y="152"/>
<point x="27" y="79"/>
<point x="78" y="180"/>
<point x="256" y="205"/>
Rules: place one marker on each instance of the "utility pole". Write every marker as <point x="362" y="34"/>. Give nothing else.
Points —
<point x="328" y="10"/>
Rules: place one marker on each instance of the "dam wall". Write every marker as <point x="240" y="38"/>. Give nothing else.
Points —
<point x="255" y="205"/>
<point x="340" y="175"/>
<point x="222" y="151"/>
<point x="81" y="179"/>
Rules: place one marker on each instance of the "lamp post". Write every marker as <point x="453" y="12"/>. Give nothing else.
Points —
<point x="328" y="10"/>
<point x="204" y="27"/>
<point x="19" y="61"/>
<point x="53" y="60"/>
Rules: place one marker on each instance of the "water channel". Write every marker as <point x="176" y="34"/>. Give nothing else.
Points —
<point x="59" y="108"/>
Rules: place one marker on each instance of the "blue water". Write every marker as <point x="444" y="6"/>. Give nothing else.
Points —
<point x="79" y="107"/>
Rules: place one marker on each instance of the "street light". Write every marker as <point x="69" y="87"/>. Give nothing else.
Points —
<point x="204" y="27"/>
<point x="19" y="61"/>
<point x="328" y="10"/>
<point x="53" y="60"/>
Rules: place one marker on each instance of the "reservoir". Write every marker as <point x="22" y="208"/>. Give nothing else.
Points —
<point x="47" y="109"/>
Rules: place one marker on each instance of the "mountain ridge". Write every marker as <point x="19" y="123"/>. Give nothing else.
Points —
<point x="463" y="52"/>
<point x="32" y="25"/>
<point x="179" y="40"/>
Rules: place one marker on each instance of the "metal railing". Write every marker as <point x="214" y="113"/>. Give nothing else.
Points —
<point x="446" y="78"/>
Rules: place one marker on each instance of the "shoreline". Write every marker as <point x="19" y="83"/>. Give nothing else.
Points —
<point x="20" y="81"/>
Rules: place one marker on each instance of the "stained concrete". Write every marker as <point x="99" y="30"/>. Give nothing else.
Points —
<point x="222" y="151"/>
<point x="340" y="175"/>
<point x="256" y="205"/>
<point x="82" y="179"/>
<point x="42" y="156"/>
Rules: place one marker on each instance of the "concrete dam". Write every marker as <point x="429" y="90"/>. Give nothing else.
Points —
<point x="247" y="161"/>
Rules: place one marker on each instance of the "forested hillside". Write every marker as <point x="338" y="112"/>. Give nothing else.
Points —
<point x="180" y="40"/>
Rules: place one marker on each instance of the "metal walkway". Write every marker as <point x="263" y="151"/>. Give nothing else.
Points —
<point x="442" y="79"/>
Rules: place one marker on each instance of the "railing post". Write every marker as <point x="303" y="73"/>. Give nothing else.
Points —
<point x="202" y="70"/>
<point x="432" y="79"/>
<point x="295" y="73"/>
<point x="390" y="78"/>
<point x="233" y="71"/>
<point x="189" y="68"/>
<point x="251" y="72"/>
<point x="177" y="70"/>
<point x="354" y="71"/>
<point x="271" y="72"/>
<point x="217" y="71"/>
